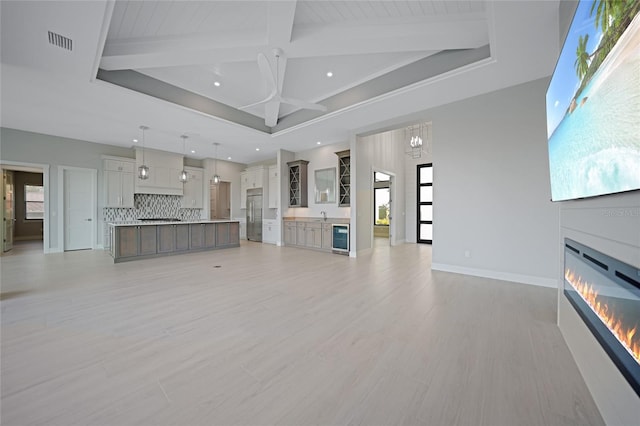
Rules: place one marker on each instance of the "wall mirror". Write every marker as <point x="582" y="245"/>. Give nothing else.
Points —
<point x="325" y="184"/>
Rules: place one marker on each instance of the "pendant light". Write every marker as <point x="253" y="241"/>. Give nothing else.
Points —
<point x="143" y="170"/>
<point x="216" y="177"/>
<point x="184" y="176"/>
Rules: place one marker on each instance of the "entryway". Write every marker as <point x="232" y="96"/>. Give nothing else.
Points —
<point x="24" y="198"/>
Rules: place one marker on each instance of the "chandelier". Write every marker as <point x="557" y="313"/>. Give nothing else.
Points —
<point x="418" y="137"/>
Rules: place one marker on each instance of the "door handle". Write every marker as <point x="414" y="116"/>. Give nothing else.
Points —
<point x="89" y="220"/>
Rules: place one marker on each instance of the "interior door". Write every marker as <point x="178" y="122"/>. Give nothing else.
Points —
<point x="9" y="212"/>
<point x="79" y="209"/>
<point x="221" y="200"/>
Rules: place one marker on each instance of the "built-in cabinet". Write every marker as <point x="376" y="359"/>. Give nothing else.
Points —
<point x="274" y="182"/>
<point x="312" y="233"/>
<point x="254" y="177"/>
<point x="118" y="176"/>
<point x="290" y="230"/>
<point x="270" y="231"/>
<point x="164" y="173"/>
<point x="344" y="178"/>
<point x="131" y="242"/>
<point x="203" y="235"/>
<point x="298" y="183"/>
<point x="193" y="191"/>
<point x="172" y="238"/>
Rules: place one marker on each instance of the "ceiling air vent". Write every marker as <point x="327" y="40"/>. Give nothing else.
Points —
<point x="60" y="41"/>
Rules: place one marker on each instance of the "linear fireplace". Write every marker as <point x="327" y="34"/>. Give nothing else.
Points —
<point x="606" y="294"/>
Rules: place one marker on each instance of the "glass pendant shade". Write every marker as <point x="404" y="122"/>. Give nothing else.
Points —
<point x="143" y="172"/>
<point x="216" y="177"/>
<point x="184" y="176"/>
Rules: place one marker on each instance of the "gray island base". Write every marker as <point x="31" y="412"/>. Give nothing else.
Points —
<point x="137" y="240"/>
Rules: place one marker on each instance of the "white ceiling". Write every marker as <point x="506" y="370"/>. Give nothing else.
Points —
<point x="389" y="60"/>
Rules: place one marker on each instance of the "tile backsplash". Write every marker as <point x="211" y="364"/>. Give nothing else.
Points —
<point x="152" y="206"/>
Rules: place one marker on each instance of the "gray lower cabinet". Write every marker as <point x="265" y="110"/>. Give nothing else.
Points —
<point x="182" y="237"/>
<point x="140" y="241"/>
<point x="327" y="236"/>
<point x="173" y="238"/>
<point x="290" y="233"/>
<point x="203" y="236"/>
<point x="313" y="234"/>
<point x="133" y="241"/>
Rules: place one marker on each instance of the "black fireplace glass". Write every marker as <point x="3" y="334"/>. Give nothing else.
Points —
<point x="606" y="294"/>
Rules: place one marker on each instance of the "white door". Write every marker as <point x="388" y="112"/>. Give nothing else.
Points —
<point x="79" y="209"/>
<point x="9" y="212"/>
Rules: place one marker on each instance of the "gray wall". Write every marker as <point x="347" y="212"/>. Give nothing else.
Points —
<point x="491" y="187"/>
<point x="25" y="229"/>
<point x="27" y="147"/>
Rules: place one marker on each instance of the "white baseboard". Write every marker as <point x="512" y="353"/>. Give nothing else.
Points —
<point x="497" y="275"/>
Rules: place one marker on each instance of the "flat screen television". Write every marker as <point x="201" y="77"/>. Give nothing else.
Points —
<point x="593" y="103"/>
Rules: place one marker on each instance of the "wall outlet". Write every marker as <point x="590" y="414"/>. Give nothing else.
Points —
<point x="467" y="253"/>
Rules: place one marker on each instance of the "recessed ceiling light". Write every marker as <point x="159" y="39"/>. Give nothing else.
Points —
<point x="228" y="158"/>
<point x="135" y="140"/>
<point x="257" y="149"/>
<point x="216" y="83"/>
<point x="329" y="74"/>
<point x="318" y="143"/>
<point x="193" y="151"/>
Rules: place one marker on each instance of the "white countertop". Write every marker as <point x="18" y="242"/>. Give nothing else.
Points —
<point x="183" y="222"/>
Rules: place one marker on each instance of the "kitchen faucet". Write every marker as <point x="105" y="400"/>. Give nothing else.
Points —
<point x="324" y="215"/>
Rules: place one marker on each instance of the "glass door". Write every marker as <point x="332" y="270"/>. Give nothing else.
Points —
<point x="425" y="203"/>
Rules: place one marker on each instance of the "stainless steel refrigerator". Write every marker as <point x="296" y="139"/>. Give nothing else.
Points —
<point x="254" y="214"/>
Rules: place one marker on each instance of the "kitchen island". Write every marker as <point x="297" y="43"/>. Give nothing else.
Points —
<point x="138" y="239"/>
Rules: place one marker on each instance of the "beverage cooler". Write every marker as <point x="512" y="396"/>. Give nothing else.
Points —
<point x="340" y="238"/>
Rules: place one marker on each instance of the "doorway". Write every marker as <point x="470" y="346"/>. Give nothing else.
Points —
<point x="383" y="208"/>
<point x="79" y="214"/>
<point x="220" y="200"/>
<point x="8" y="210"/>
<point x="25" y="193"/>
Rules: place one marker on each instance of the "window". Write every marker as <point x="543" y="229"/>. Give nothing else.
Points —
<point x="381" y="198"/>
<point x="425" y="203"/>
<point x="34" y="201"/>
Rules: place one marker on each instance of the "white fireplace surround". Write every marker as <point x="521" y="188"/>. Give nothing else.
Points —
<point x="609" y="224"/>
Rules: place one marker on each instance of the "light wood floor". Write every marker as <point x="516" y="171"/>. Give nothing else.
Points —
<point x="267" y="335"/>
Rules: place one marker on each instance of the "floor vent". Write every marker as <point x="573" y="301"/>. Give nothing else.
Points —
<point x="60" y="41"/>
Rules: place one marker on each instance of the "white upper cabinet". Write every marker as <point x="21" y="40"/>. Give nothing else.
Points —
<point x="193" y="197"/>
<point x="254" y="177"/>
<point x="118" y="177"/>
<point x="164" y="172"/>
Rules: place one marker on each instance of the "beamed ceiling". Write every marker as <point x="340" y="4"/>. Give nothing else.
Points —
<point x="202" y="68"/>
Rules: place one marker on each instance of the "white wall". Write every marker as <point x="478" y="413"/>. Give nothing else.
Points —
<point x="379" y="152"/>
<point x="611" y="225"/>
<point x="27" y="147"/>
<point x="323" y="157"/>
<point x="491" y="187"/>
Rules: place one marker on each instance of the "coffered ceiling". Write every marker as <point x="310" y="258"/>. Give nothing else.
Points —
<point x="196" y="67"/>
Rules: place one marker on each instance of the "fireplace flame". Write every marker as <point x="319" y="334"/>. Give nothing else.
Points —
<point x="626" y="335"/>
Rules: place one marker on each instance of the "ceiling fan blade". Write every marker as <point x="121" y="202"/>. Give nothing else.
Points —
<point x="264" y="101"/>
<point x="267" y="73"/>
<point x="303" y="104"/>
<point x="271" y="111"/>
